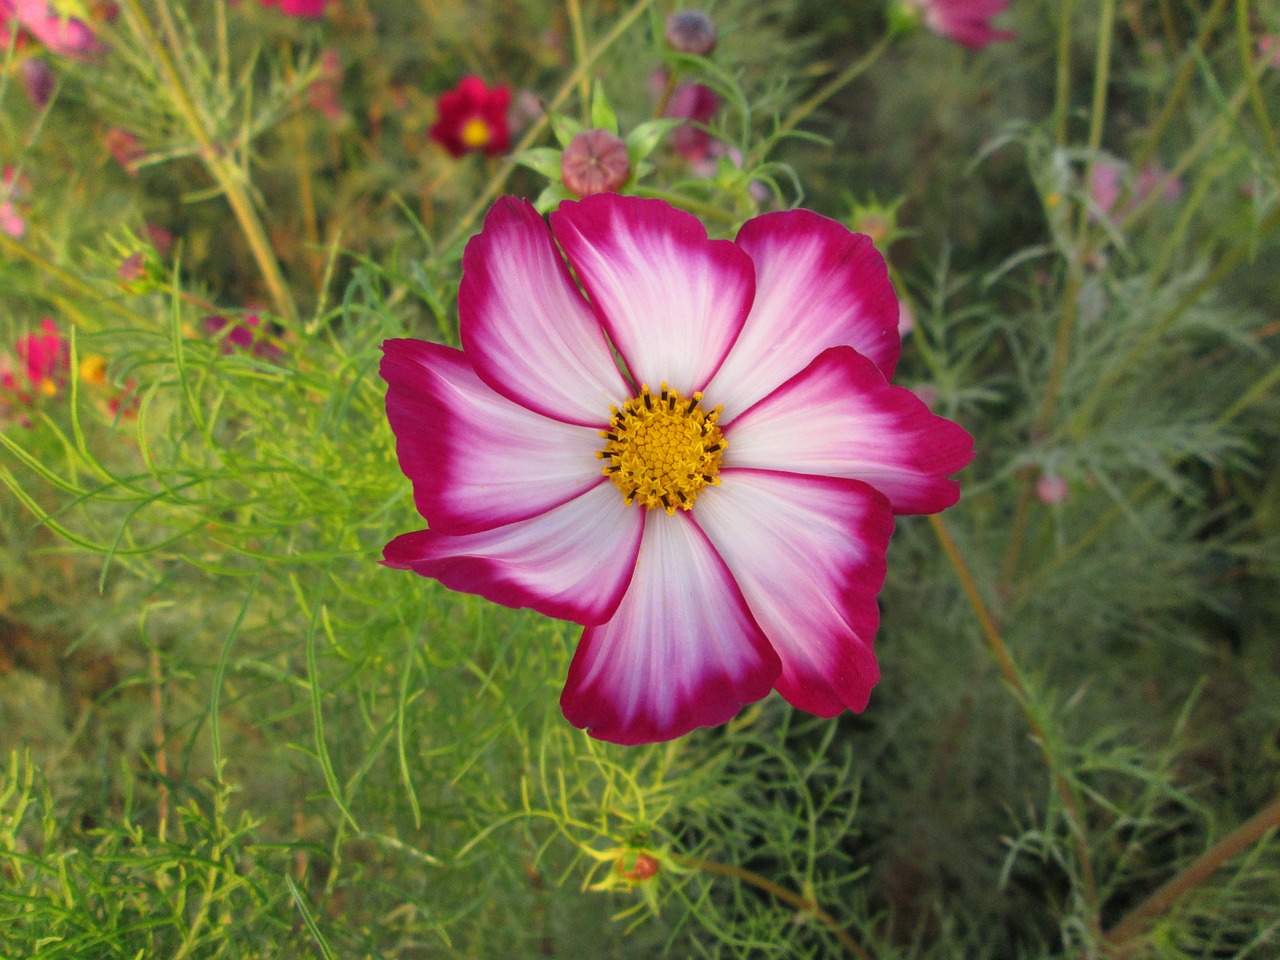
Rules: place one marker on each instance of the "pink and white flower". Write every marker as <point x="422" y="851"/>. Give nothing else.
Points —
<point x="66" y="36"/>
<point x="715" y="507"/>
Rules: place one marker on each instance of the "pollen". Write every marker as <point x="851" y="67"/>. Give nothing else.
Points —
<point x="662" y="449"/>
<point x="476" y="133"/>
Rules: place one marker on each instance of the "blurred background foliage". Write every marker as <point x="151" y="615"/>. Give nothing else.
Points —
<point x="232" y="733"/>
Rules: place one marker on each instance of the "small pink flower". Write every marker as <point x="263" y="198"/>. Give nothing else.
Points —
<point x="45" y="358"/>
<point x="310" y="9"/>
<point x="242" y="335"/>
<point x="65" y="36"/>
<point x="473" y="118"/>
<point x="696" y="103"/>
<point x="125" y="148"/>
<point x="11" y="221"/>
<point x="1106" y="183"/>
<point x="1269" y="49"/>
<point x="160" y="238"/>
<point x="38" y="80"/>
<point x="717" y="517"/>
<point x="324" y="93"/>
<point x="1051" y="489"/>
<point x="968" y="22"/>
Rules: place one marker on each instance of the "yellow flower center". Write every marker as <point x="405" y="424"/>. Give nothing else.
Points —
<point x="476" y="133"/>
<point x="662" y="449"/>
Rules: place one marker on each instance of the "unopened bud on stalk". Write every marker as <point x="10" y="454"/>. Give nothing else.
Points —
<point x="595" y="161"/>
<point x="691" y="31"/>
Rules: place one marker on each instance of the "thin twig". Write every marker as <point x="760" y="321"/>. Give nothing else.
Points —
<point x="1197" y="873"/>
<point x="1004" y="659"/>
<point x="213" y="156"/>
<point x="790" y="898"/>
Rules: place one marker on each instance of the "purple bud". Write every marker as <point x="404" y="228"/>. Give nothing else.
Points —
<point x="595" y="161"/>
<point x="691" y="31"/>
<point x="39" y="81"/>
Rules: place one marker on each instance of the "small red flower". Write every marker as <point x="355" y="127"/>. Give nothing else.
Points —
<point x="473" y="117"/>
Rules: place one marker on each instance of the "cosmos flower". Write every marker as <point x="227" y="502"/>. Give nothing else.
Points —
<point x="967" y="22"/>
<point x="43" y="361"/>
<point x="66" y="36"/>
<point x="715" y="508"/>
<point x="473" y="117"/>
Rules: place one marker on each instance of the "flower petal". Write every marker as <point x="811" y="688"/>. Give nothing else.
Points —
<point x="476" y="459"/>
<point x="818" y="285"/>
<point x="671" y="300"/>
<point x="573" y="562"/>
<point x="839" y="418"/>
<point x="528" y="331"/>
<point x="809" y="555"/>
<point x="682" y="650"/>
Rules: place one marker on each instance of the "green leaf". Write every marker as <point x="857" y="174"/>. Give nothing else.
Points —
<point x="564" y="127"/>
<point x="602" y="115"/>
<point x="543" y="160"/>
<point x="643" y="139"/>
<point x="551" y="197"/>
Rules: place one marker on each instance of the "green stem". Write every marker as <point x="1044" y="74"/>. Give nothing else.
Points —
<point x="1062" y="95"/>
<point x="688" y="203"/>
<point x="830" y="89"/>
<point x="1196" y="874"/>
<point x="1248" y="54"/>
<point x="225" y="173"/>
<point x="1009" y="669"/>
<point x="1142" y="347"/>
<point x="790" y="898"/>
<point x="481" y="203"/>
<point x="580" y="52"/>
<point x="1181" y="85"/>
<point x="1262" y="389"/>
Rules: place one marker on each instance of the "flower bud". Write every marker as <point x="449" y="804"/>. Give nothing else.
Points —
<point x="645" y="866"/>
<point x="595" y="161"/>
<point x="691" y="31"/>
<point x="1051" y="488"/>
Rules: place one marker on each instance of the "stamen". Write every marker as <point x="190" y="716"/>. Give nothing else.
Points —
<point x="662" y="454"/>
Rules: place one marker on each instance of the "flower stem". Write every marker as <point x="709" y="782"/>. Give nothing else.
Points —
<point x="1142" y="347"/>
<point x="1062" y="93"/>
<point x="1004" y="660"/>
<point x="788" y="897"/>
<point x="1198" y="872"/>
<point x="1173" y="102"/>
<point x="465" y="222"/>
<point x="574" y="8"/>
<point x="225" y="173"/>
